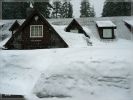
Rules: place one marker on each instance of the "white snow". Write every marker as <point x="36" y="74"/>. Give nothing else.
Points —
<point x="93" y="72"/>
<point x="21" y="21"/>
<point x="4" y="31"/>
<point x="106" y="23"/>
<point x="1" y="23"/>
<point x="72" y="39"/>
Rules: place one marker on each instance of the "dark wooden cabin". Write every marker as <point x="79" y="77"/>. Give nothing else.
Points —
<point x="106" y="29"/>
<point x="14" y="27"/>
<point x="35" y="33"/>
<point x="75" y="27"/>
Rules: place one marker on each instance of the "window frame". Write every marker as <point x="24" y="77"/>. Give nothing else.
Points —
<point x="36" y="36"/>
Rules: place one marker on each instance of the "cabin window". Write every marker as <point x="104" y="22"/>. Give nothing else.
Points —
<point x="36" y="31"/>
<point x="107" y="33"/>
<point x="75" y="30"/>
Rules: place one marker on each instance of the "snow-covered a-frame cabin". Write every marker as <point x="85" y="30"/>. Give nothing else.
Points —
<point x="75" y="27"/>
<point x="34" y="33"/>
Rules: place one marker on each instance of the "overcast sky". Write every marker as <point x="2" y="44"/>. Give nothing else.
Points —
<point x="98" y="6"/>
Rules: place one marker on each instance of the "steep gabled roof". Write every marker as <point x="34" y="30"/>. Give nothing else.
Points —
<point x="34" y="13"/>
<point x="15" y="24"/>
<point x="74" y="22"/>
<point x="77" y="25"/>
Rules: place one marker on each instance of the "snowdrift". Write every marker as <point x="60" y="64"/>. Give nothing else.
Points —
<point x="75" y="74"/>
<point x="84" y="77"/>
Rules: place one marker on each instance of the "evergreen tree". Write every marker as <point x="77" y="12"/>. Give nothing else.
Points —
<point x="67" y="10"/>
<point x="44" y="7"/>
<point x="86" y="9"/>
<point x="92" y="12"/>
<point x="17" y="10"/>
<point x="113" y="8"/>
<point x="57" y="9"/>
<point x="14" y="10"/>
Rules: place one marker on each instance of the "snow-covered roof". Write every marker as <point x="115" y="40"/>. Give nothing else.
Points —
<point x="107" y="23"/>
<point x="72" y="39"/>
<point x="1" y="23"/>
<point x="122" y="30"/>
<point x="130" y="22"/>
<point x="20" y="21"/>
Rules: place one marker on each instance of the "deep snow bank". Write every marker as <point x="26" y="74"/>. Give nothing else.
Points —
<point x="74" y="73"/>
<point x="102" y="73"/>
<point x="82" y="77"/>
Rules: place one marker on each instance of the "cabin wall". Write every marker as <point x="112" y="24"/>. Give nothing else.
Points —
<point x="56" y="42"/>
<point x="17" y="42"/>
<point x="22" y="40"/>
<point x="36" y="42"/>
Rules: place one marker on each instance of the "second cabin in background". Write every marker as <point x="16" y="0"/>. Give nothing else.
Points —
<point x="75" y="27"/>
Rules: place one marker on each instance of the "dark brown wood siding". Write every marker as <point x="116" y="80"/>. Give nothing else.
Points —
<point x="40" y="42"/>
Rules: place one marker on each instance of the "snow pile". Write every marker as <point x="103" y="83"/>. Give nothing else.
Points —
<point x="78" y="77"/>
<point x="5" y="34"/>
<point x="87" y="71"/>
<point x="92" y="72"/>
<point x="14" y="75"/>
<point x="105" y="24"/>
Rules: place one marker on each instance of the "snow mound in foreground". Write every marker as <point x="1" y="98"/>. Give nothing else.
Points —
<point x="90" y="78"/>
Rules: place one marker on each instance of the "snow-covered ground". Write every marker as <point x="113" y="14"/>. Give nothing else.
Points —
<point x="103" y="71"/>
<point x="95" y="72"/>
<point x="76" y="74"/>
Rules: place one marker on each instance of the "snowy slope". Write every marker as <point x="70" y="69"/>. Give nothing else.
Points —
<point x="72" y="39"/>
<point x="4" y="31"/>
